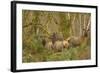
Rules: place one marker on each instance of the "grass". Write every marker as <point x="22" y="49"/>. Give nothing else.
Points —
<point x="37" y="53"/>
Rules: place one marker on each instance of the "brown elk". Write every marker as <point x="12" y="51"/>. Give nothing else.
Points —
<point x="59" y="45"/>
<point x="47" y="44"/>
<point x="58" y="42"/>
<point x="55" y="43"/>
<point x="77" y="41"/>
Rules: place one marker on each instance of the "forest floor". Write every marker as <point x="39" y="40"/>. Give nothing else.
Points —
<point x="44" y="55"/>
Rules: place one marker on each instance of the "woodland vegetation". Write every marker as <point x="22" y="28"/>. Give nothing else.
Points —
<point x="55" y="36"/>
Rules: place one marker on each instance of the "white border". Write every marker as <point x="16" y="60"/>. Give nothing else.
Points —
<point x="37" y="65"/>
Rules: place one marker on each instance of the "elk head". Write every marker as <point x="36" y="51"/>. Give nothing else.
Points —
<point x="86" y="29"/>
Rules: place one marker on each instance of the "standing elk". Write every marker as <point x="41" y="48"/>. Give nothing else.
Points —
<point x="47" y="44"/>
<point x="77" y="41"/>
<point x="60" y="45"/>
<point x="56" y="45"/>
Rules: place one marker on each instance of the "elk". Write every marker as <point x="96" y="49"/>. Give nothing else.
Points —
<point x="47" y="44"/>
<point x="75" y="41"/>
<point x="58" y="42"/>
<point x="60" y="45"/>
<point x="78" y="40"/>
<point x="56" y="45"/>
<point x="55" y="37"/>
